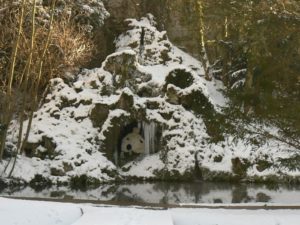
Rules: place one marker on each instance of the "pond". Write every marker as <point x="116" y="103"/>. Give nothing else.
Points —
<point x="168" y="193"/>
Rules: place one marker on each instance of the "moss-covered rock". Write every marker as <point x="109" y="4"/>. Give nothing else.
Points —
<point x="57" y="172"/>
<point x="262" y="165"/>
<point x="124" y="69"/>
<point x="197" y="102"/>
<point x="172" y="95"/>
<point x="292" y="163"/>
<point x="113" y="173"/>
<point x="121" y="64"/>
<point x="67" y="102"/>
<point x="125" y="101"/>
<point x="45" y="149"/>
<point x="99" y="114"/>
<point x="148" y="90"/>
<point x="179" y="78"/>
<point x="67" y="166"/>
<point x="152" y="104"/>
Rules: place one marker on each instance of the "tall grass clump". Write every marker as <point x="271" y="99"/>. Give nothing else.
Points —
<point x="39" y="40"/>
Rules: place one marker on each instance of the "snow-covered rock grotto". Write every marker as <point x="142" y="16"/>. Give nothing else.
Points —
<point x="146" y="113"/>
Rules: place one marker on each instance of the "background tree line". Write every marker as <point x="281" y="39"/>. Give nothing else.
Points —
<point x="254" y="48"/>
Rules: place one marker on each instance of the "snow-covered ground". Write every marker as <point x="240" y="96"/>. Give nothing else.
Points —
<point x="20" y="212"/>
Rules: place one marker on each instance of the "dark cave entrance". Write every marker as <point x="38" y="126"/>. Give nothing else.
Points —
<point x="136" y="140"/>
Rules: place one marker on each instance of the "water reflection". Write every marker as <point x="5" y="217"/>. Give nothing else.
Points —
<point x="171" y="193"/>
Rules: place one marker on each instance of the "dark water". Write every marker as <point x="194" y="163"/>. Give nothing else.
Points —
<point x="170" y="193"/>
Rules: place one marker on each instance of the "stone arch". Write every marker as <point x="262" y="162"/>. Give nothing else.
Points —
<point x="129" y="139"/>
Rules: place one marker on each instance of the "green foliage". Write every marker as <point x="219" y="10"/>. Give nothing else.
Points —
<point x="254" y="47"/>
<point x="292" y="163"/>
<point x="263" y="165"/>
<point x="215" y="123"/>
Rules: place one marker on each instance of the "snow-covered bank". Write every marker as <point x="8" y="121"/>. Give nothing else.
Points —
<point x="20" y="212"/>
<point x="235" y="217"/>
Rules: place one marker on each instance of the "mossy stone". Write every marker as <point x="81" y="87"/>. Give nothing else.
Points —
<point x="67" y="167"/>
<point x="65" y="102"/>
<point x="172" y="95"/>
<point x="31" y="149"/>
<point x="292" y="163"/>
<point x="152" y="104"/>
<point x="57" y="172"/>
<point x="180" y="78"/>
<point x="99" y="114"/>
<point x="120" y="64"/>
<point x="197" y="102"/>
<point x="125" y="102"/>
<point x="110" y="172"/>
<point x="262" y="165"/>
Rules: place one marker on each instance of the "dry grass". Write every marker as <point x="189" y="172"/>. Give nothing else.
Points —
<point x="69" y="49"/>
<point x="36" y="44"/>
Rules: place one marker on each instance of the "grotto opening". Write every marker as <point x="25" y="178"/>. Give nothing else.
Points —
<point x="135" y="141"/>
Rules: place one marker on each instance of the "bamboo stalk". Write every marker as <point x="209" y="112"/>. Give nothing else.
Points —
<point x="36" y="88"/>
<point x="15" y="48"/>
<point x="45" y="49"/>
<point x="203" y="56"/>
<point x="25" y="86"/>
<point x="226" y="27"/>
<point x="27" y="74"/>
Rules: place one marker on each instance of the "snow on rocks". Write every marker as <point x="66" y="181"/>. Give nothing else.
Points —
<point x="77" y="130"/>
